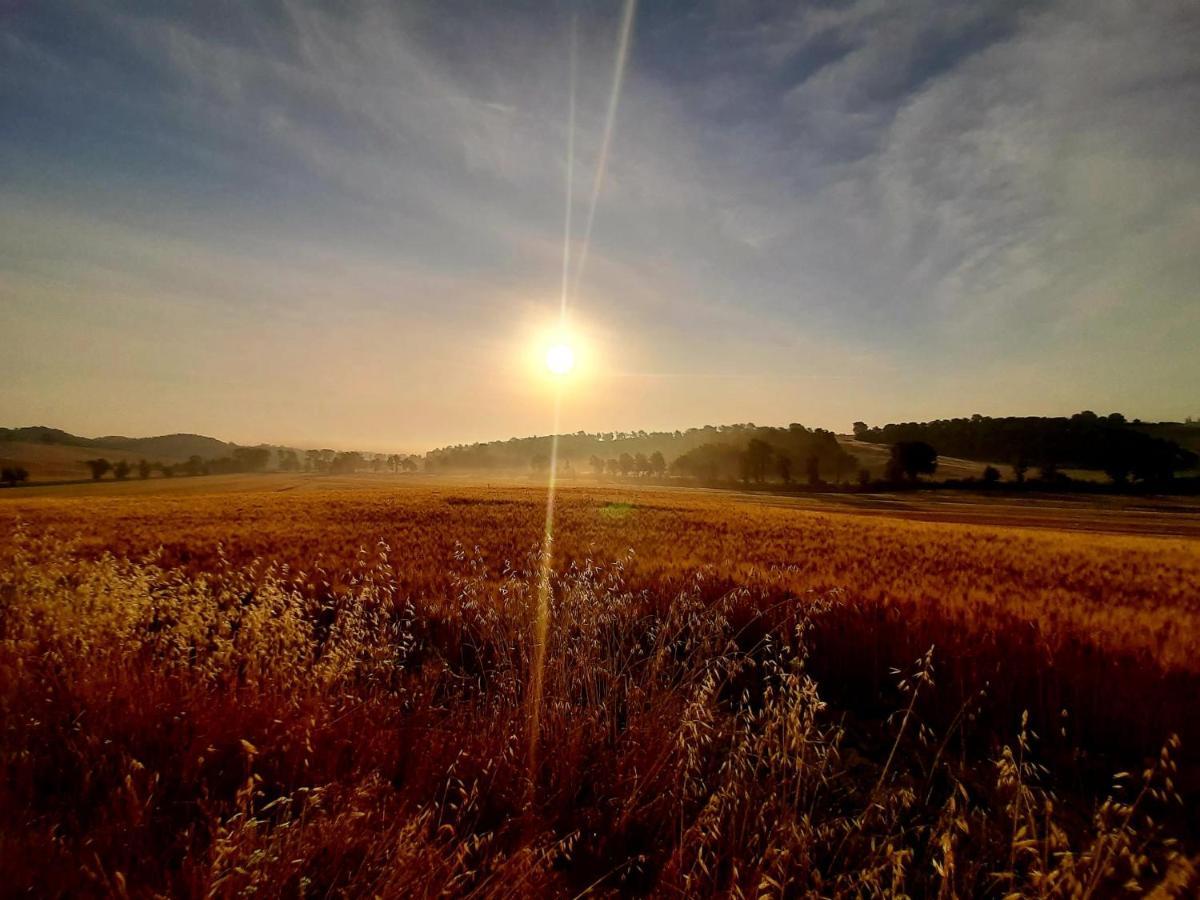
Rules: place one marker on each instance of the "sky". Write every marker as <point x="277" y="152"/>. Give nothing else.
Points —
<point x="342" y="223"/>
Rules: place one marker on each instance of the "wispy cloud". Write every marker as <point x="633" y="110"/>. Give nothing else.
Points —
<point x="985" y="194"/>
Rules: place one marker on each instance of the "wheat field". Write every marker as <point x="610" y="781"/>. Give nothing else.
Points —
<point x="407" y="693"/>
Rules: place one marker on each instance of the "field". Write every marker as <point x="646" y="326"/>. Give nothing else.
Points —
<point x="381" y="686"/>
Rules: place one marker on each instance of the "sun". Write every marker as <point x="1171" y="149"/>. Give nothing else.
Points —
<point x="560" y="359"/>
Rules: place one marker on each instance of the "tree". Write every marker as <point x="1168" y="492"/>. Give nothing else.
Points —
<point x="813" y="469"/>
<point x="1020" y="467"/>
<point x="758" y="459"/>
<point x="658" y="464"/>
<point x="626" y="463"/>
<point x="864" y="477"/>
<point x="13" y="475"/>
<point x="99" y="467"/>
<point x="121" y="470"/>
<point x="251" y="459"/>
<point x="860" y="430"/>
<point x="144" y="469"/>
<point x="641" y="465"/>
<point x="597" y="464"/>
<point x="167" y="471"/>
<point x="540" y="463"/>
<point x="194" y="466"/>
<point x="991" y="476"/>
<point x="1118" y="470"/>
<point x="612" y="466"/>
<point x="784" y="466"/>
<point x="912" y="459"/>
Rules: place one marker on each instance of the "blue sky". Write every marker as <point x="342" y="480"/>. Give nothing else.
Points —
<point x="341" y="223"/>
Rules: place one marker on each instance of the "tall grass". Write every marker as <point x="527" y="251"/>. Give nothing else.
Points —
<point x="234" y="732"/>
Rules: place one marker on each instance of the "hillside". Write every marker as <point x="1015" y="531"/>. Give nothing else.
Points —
<point x="51" y="454"/>
<point x="58" y="462"/>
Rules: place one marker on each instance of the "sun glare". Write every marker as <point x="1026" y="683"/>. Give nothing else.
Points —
<point x="560" y="359"/>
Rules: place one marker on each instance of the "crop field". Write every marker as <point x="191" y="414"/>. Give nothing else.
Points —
<point x="361" y="687"/>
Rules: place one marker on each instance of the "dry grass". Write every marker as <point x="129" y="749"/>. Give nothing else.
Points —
<point x="718" y="712"/>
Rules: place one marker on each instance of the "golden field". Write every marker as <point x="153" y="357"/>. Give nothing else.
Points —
<point x="374" y="690"/>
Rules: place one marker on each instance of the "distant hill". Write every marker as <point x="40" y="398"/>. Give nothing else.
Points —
<point x="51" y="454"/>
<point x="167" y="447"/>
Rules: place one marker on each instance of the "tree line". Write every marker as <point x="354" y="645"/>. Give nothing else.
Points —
<point x="256" y="459"/>
<point x="622" y="451"/>
<point x="11" y="476"/>
<point x="1110" y="444"/>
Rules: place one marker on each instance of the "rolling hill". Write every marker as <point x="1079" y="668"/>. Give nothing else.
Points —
<point x="51" y="454"/>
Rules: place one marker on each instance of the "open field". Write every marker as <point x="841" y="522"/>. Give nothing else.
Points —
<point x="1167" y="516"/>
<point x="328" y="685"/>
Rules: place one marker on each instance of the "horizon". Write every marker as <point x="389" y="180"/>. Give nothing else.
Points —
<point x="302" y="226"/>
<point x="422" y="449"/>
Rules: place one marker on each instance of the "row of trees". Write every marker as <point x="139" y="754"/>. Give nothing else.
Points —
<point x="797" y="441"/>
<point x="255" y="459"/>
<point x="767" y="454"/>
<point x="1086" y="440"/>
<point x="330" y="461"/>
<point x="13" y="475"/>
<point x="626" y="464"/>
<point x="122" y="469"/>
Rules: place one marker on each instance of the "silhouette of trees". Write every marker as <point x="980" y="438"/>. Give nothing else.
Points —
<point x="991" y="476"/>
<point x="194" y="466"/>
<point x="612" y="466"/>
<point x="812" y="468"/>
<point x="540" y="463"/>
<point x="121" y="470"/>
<point x="99" y="468"/>
<point x="13" y="475"/>
<point x="1020" y="467"/>
<point x="758" y="459"/>
<point x="783" y="465"/>
<point x="641" y="465"/>
<point x="658" y="464"/>
<point x="1085" y="440"/>
<point x="626" y="463"/>
<point x="1048" y="471"/>
<point x="911" y="459"/>
<point x="144" y="469"/>
<point x="250" y="459"/>
<point x="289" y="461"/>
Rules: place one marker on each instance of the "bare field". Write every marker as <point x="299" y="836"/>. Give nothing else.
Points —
<point x="370" y="684"/>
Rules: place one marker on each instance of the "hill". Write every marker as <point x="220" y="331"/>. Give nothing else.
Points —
<point x="51" y="454"/>
<point x="165" y="447"/>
